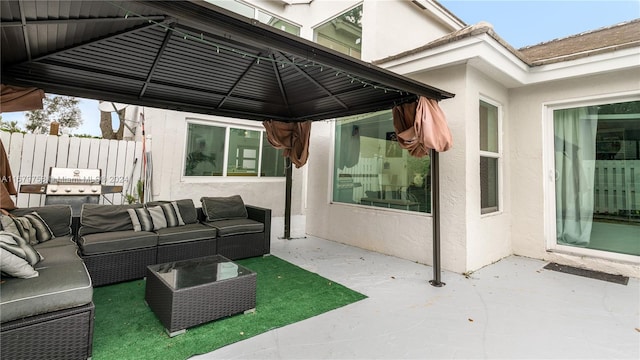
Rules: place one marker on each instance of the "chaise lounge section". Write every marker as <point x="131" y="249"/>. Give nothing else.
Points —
<point x="49" y="315"/>
<point x="243" y="230"/>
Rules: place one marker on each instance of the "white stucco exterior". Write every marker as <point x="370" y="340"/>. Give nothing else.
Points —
<point x="166" y="133"/>
<point x="474" y="68"/>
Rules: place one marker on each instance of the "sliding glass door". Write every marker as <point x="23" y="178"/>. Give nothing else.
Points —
<point x="597" y="177"/>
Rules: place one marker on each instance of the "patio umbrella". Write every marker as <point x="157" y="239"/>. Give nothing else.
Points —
<point x="422" y="129"/>
<point x="7" y="187"/>
<point x="293" y="138"/>
<point x="16" y="98"/>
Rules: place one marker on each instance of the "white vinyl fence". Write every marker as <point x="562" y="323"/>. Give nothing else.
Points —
<point x="31" y="157"/>
<point x="617" y="187"/>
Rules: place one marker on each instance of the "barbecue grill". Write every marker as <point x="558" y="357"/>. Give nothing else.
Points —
<point x="73" y="187"/>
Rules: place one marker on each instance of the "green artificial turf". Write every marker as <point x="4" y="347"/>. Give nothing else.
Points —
<point x="125" y="328"/>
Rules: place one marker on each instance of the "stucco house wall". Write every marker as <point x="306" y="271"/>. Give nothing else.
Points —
<point x="488" y="238"/>
<point x="389" y="27"/>
<point x="388" y="231"/>
<point x="166" y="134"/>
<point x="469" y="240"/>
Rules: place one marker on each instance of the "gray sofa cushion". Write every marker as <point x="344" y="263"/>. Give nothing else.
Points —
<point x="59" y="241"/>
<point x="186" y="207"/>
<point x="223" y="208"/>
<point x="236" y="226"/>
<point x="57" y="217"/>
<point x="57" y="255"/>
<point x="190" y="232"/>
<point x="106" y="242"/>
<point x="57" y="287"/>
<point x="96" y="218"/>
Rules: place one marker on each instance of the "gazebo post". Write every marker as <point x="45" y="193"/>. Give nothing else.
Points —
<point x="287" y="201"/>
<point x="435" y="213"/>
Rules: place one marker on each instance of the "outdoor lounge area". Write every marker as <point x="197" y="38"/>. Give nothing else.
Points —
<point x="513" y="309"/>
<point x="406" y="243"/>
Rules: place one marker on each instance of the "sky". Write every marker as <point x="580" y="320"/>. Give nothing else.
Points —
<point x="520" y="23"/>
<point x="524" y="23"/>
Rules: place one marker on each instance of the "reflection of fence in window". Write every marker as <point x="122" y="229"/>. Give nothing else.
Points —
<point x="617" y="189"/>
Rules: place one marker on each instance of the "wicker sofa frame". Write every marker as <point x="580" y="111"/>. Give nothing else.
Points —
<point x="114" y="267"/>
<point x="69" y="335"/>
<point x="70" y="331"/>
<point x="248" y="245"/>
<point x="119" y="266"/>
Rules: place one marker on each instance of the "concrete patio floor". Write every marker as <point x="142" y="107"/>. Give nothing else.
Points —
<point x="509" y="310"/>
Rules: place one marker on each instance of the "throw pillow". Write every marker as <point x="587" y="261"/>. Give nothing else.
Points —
<point x="57" y="217"/>
<point x="141" y="219"/>
<point x="157" y="216"/>
<point x="31" y="227"/>
<point x="43" y="232"/>
<point x="19" y="247"/>
<point x="134" y="220"/>
<point x="188" y="211"/>
<point x="13" y="265"/>
<point x="223" y="208"/>
<point x="184" y="210"/>
<point x="172" y="214"/>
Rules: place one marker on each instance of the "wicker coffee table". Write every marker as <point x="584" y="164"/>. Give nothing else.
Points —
<point x="186" y="293"/>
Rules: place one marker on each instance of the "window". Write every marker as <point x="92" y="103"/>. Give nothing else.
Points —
<point x="371" y="169"/>
<point x="255" y="13"/>
<point x="343" y="33"/>
<point x="489" y="158"/>
<point x="597" y="177"/>
<point x="222" y="150"/>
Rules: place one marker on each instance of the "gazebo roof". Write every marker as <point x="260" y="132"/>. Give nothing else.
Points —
<point x="189" y="56"/>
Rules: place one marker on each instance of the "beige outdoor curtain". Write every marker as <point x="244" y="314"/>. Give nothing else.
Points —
<point x="7" y="186"/>
<point x="292" y="137"/>
<point x="421" y="126"/>
<point x="15" y="98"/>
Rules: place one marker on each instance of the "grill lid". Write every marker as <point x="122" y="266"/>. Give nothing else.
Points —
<point x="71" y="181"/>
<point x="74" y="176"/>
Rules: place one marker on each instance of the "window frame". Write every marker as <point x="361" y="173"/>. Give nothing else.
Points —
<point x="227" y="126"/>
<point x="549" y="189"/>
<point x="334" y="16"/>
<point x="256" y="15"/>
<point x="331" y="172"/>
<point x="492" y="210"/>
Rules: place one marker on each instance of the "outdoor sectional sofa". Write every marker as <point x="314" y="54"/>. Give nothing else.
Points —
<point x="114" y="251"/>
<point x="51" y="316"/>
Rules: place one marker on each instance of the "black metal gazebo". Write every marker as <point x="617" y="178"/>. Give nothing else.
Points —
<point x="190" y="56"/>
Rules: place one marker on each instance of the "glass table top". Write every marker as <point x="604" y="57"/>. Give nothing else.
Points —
<point x="193" y="272"/>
